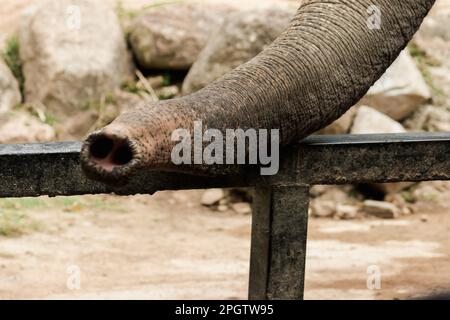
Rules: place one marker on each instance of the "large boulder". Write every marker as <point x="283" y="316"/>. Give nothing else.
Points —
<point x="20" y="127"/>
<point x="433" y="38"/>
<point x="172" y="36"/>
<point x="400" y="91"/>
<point x="370" y="121"/>
<point x="103" y="113"/>
<point x="430" y="118"/>
<point x="433" y="45"/>
<point x="341" y="125"/>
<point x="380" y="209"/>
<point x="9" y="89"/>
<point x="73" y="52"/>
<point x="241" y="37"/>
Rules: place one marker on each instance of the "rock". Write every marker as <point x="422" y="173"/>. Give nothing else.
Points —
<point x="424" y="218"/>
<point x="243" y="208"/>
<point x="433" y="37"/>
<point x="380" y="209"/>
<point x="323" y="208"/>
<point x="76" y="128"/>
<point x="318" y="190"/>
<point x="212" y="196"/>
<point x="369" y="120"/>
<point x="156" y="82"/>
<point x="241" y="37"/>
<point x="9" y="89"/>
<point x="337" y="194"/>
<point x="400" y="202"/>
<point x="430" y="118"/>
<point x="406" y="211"/>
<point x="73" y="52"/>
<point x="342" y="125"/>
<point x="329" y="201"/>
<point x="21" y="127"/>
<point x="346" y="212"/>
<point x="433" y="45"/>
<point x="435" y="191"/>
<point x="222" y="208"/>
<point x="400" y="91"/>
<point x="172" y="36"/>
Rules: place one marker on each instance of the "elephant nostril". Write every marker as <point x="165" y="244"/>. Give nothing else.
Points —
<point x="122" y="155"/>
<point x="101" y="148"/>
<point x="109" y="152"/>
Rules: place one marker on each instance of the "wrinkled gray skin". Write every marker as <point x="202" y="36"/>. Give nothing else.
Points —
<point x="312" y="74"/>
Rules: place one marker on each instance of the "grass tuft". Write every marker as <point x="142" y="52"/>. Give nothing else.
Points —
<point x="11" y="55"/>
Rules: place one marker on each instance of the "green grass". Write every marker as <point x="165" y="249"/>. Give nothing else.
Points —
<point x="163" y="3"/>
<point x="167" y="79"/>
<point x="11" y="55"/>
<point x="13" y="224"/>
<point x="408" y="196"/>
<point x="16" y="214"/>
<point x="130" y="86"/>
<point x="124" y="14"/>
<point x="14" y="221"/>
<point x="60" y="203"/>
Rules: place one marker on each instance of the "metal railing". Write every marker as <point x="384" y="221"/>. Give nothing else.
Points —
<point x="280" y="205"/>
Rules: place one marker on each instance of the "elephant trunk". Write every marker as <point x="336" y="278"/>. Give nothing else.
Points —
<point x="327" y="59"/>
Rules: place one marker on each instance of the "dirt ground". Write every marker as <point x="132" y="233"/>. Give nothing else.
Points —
<point x="167" y="246"/>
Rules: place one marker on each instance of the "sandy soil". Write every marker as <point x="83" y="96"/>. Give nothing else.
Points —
<point x="169" y="247"/>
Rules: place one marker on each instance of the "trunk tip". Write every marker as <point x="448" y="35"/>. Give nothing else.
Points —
<point x="108" y="157"/>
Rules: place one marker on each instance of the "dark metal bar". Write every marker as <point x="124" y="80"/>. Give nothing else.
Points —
<point x="260" y="243"/>
<point x="53" y="168"/>
<point x="279" y="235"/>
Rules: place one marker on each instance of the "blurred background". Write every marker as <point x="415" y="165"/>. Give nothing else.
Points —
<point x="68" y="67"/>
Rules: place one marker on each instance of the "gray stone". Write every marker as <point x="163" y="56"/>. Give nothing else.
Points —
<point x="380" y="209"/>
<point x="323" y="208"/>
<point x="242" y="208"/>
<point x="400" y="91"/>
<point x="433" y="42"/>
<point x="430" y="118"/>
<point x="433" y="37"/>
<point x="241" y="37"/>
<point x="212" y="197"/>
<point x="432" y="191"/>
<point x="222" y="208"/>
<point x="369" y="120"/>
<point x="21" y="127"/>
<point x="346" y="212"/>
<point x="342" y="125"/>
<point x="73" y="52"/>
<point x="172" y="36"/>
